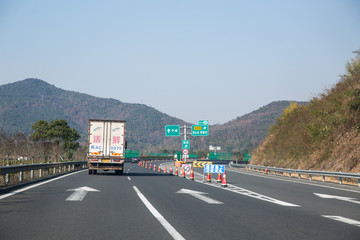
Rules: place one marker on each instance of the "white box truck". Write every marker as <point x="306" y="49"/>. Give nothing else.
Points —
<point x="106" y="144"/>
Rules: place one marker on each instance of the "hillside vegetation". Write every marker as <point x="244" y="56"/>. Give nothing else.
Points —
<point x="324" y="135"/>
<point x="244" y="133"/>
<point x="25" y="102"/>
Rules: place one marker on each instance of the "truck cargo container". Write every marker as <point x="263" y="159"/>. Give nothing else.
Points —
<point x="106" y="145"/>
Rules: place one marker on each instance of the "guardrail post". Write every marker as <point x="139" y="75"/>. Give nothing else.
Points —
<point x="69" y="168"/>
<point x="32" y="174"/>
<point x="7" y="178"/>
<point x="310" y="177"/>
<point x="21" y="176"/>
<point x="60" y="169"/>
<point x="340" y="179"/>
<point x="54" y="170"/>
<point x="40" y="173"/>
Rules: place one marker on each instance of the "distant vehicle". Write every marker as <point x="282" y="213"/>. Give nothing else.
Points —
<point x="106" y="139"/>
<point x="134" y="160"/>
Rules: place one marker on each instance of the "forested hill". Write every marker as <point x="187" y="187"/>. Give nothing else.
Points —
<point x="24" y="102"/>
<point x="323" y="135"/>
<point x="244" y="133"/>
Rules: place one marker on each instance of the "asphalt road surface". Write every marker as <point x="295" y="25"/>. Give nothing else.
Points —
<point x="146" y="204"/>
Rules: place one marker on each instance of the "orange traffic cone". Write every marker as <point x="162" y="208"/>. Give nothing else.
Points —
<point x="266" y="171"/>
<point x="224" y="183"/>
<point x="150" y="166"/>
<point x="219" y="178"/>
<point x="176" y="172"/>
<point x="171" y="171"/>
<point x="159" y="169"/>
<point x="154" y="167"/>
<point x="208" y="178"/>
<point x="165" y="169"/>
<point x="183" y="173"/>
<point x="146" y="166"/>
<point x="192" y="174"/>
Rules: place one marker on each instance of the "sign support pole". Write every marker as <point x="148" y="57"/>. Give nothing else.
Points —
<point x="185" y="156"/>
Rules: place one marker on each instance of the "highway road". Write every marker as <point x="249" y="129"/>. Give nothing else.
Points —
<point x="146" y="204"/>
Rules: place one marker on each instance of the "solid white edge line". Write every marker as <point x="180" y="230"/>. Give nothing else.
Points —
<point x="292" y="181"/>
<point x="36" y="185"/>
<point x="129" y="178"/>
<point x="171" y="230"/>
<point x="343" y="219"/>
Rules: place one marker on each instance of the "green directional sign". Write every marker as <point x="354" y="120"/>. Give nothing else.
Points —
<point x="204" y="122"/>
<point x="172" y="130"/>
<point x="186" y="144"/>
<point x="199" y="130"/>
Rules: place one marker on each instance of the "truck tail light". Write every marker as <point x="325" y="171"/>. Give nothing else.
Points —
<point x="116" y="160"/>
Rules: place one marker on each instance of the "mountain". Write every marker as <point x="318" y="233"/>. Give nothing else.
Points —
<point x="24" y="102"/>
<point x="246" y="132"/>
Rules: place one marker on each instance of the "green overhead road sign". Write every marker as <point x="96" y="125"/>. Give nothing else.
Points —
<point x="186" y="144"/>
<point x="172" y="130"/>
<point x="199" y="130"/>
<point x="204" y="122"/>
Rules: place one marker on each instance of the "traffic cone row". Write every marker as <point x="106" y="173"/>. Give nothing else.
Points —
<point x="220" y="179"/>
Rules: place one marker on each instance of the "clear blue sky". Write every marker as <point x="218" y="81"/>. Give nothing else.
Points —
<point x="212" y="60"/>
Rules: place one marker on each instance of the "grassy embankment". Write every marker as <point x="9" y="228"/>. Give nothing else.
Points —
<point x="323" y="135"/>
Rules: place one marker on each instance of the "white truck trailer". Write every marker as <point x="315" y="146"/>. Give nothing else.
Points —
<point x="106" y="144"/>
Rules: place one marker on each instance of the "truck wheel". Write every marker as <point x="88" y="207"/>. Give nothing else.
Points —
<point x="121" y="172"/>
<point x="90" y="172"/>
<point x="94" y="171"/>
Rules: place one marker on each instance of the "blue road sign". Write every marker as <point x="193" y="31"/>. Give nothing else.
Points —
<point x="214" y="168"/>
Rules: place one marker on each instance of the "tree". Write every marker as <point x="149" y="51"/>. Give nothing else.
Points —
<point x="60" y="133"/>
<point x="41" y="135"/>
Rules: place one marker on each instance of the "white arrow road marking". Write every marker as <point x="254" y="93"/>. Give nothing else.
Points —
<point x="344" y="220"/>
<point x="80" y="193"/>
<point x="200" y="195"/>
<point x="347" y="199"/>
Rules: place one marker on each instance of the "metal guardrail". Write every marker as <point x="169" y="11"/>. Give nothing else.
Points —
<point x="299" y="172"/>
<point x="37" y="170"/>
